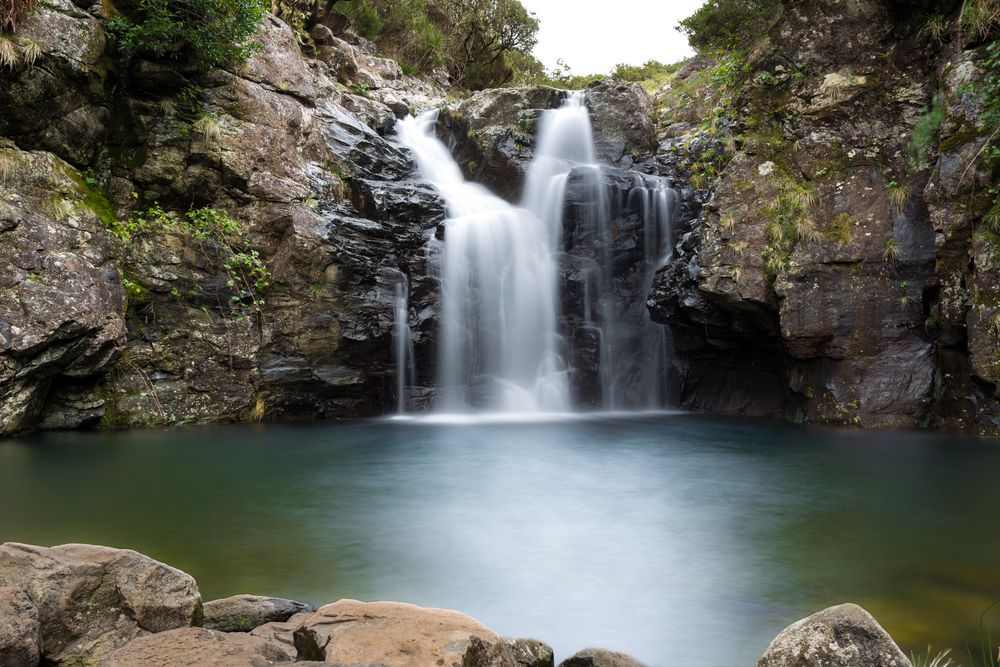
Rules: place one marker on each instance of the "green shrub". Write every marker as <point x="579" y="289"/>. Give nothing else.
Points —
<point x="923" y="143"/>
<point x="211" y="32"/>
<point x="724" y="24"/>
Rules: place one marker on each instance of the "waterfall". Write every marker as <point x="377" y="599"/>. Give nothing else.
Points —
<point x="498" y="349"/>
<point x="503" y="338"/>
<point x="402" y="337"/>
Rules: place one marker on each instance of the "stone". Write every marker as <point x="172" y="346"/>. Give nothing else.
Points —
<point x="599" y="657"/>
<point x="243" y="613"/>
<point x="20" y="640"/>
<point x="283" y="632"/>
<point x="841" y="636"/>
<point x="529" y="652"/>
<point x="397" y="634"/>
<point x="197" y="647"/>
<point x="92" y="600"/>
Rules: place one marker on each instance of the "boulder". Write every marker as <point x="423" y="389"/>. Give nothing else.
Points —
<point x="397" y="634"/>
<point x="243" y="613"/>
<point x="197" y="647"/>
<point x="19" y="637"/>
<point x="283" y="632"/>
<point x="92" y="600"/>
<point x="529" y="652"/>
<point x="599" y="657"/>
<point x="841" y="636"/>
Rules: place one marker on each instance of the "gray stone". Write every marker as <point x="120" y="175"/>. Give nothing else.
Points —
<point x="841" y="636"/>
<point x="243" y="613"/>
<point x="529" y="652"/>
<point x="599" y="657"/>
<point x="92" y="600"/>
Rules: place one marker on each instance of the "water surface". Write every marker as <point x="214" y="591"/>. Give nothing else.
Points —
<point x="684" y="540"/>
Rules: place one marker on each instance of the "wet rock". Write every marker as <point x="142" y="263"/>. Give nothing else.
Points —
<point x="841" y="636"/>
<point x="243" y="613"/>
<point x="60" y="292"/>
<point x="599" y="657"/>
<point x="352" y="632"/>
<point x="20" y="641"/>
<point x="92" y="600"/>
<point x="529" y="652"/>
<point x="622" y="118"/>
<point x="197" y="646"/>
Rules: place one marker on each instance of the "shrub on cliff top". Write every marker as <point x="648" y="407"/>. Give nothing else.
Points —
<point x="211" y="32"/>
<point x="725" y="24"/>
<point x="12" y="11"/>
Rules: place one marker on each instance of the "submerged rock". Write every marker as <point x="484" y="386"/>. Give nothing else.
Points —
<point x="91" y="600"/>
<point x="841" y="636"/>
<point x="243" y="613"/>
<point x="402" y="635"/>
<point x="599" y="657"/>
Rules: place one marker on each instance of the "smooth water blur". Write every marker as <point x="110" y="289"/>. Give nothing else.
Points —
<point x="684" y="540"/>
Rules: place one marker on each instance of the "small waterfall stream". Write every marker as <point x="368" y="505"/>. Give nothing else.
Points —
<point x="503" y="339"/>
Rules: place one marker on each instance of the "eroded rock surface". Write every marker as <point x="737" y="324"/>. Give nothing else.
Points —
<point x="243" y="613"/>
<point x="92" y="600"/>
<point x="841" y="636"/>
<point x="20" y="639"/>
<point x="403" y="635"/>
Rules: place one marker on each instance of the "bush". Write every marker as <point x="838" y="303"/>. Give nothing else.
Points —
<point x="923" y="143"/>
<point x="725" y="24"/>
<point x="479" y="42"/>
<point x="211" y="32"/>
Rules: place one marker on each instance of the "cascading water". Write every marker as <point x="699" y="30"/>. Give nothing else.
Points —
<point x="499" y="348"/>
<point x="503" y="342"/>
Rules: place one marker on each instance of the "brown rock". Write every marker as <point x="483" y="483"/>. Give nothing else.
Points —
<point x="197" y="647"/>
<point x="841" y="636"/>
<point x="19" y="637"/>
<point x="400" y="635"/>
<point x="283" y="632"/>
<point x="92" y="600"/>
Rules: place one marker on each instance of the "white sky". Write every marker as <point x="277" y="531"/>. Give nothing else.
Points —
<point x="593" y="36"/>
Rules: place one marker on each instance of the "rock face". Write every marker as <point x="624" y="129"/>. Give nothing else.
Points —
<point x="197" y="646"/>
<point x="243" y="613"/>
<point x="20" y="639"/>
<point x="61" y="298"/>
<point x="599" y="657"/>
<point x="841" y="636"/>
<point x="831" y="276"/>
<point x="92" y="600"/>
<point x="402" y="635"/>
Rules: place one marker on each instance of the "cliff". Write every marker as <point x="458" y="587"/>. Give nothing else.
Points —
<point x="822" y="271"/>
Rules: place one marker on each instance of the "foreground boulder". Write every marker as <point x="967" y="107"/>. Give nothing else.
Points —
<point x="841" y="636"/>
<point x="197" y="647"/>
<point x="19" y="636"/>
<point x="283" y="633"/>
<point x="599" y="657"/>
<point x="92" y="600"/>
<point x="402" y="635"/>
<point x="529" y="652"/>
<point x="243" y="613"/>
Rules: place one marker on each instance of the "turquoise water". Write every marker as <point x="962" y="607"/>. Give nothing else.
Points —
<point x="684" y="540"/>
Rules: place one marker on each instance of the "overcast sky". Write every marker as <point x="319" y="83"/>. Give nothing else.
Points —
<point x="592" y="37"/>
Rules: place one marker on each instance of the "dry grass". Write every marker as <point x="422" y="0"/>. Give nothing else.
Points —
<point x="891" y="252"/>
<point x="9" y="55"/>
<point x="808" y="230"/>
<point x="258" y="410"/>
<point x="899" y="195"/>
<point x="936" y="29"/>
<point x="210" y="129"/>
<point x="979" y="17"/>
<point x="30" y="51"/>
<point x="6" y="166"/>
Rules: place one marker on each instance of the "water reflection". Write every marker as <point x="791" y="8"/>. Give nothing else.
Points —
<point x="684" y="540"/>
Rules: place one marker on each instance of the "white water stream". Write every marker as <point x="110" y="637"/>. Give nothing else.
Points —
<point x="500" y="348"/>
